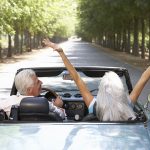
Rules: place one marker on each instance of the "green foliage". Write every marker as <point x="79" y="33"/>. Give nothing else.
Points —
<point x="97" y="17"/>
<point x="47" y="17"/>
<point x="108" y="15"/>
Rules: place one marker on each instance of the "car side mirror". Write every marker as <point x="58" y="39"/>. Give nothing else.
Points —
<point x="147" y="104"/>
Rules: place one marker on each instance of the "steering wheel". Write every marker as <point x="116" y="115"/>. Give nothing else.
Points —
<point x="50" y="94"/>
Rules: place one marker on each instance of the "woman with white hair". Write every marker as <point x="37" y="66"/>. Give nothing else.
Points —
<point x="113" y="103"/>
<point x="112" y="100"/>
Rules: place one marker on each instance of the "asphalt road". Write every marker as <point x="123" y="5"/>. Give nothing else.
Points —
<point x="79" y="53"/>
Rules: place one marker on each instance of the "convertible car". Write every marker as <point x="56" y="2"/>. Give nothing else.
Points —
<point x="32" y="126"/>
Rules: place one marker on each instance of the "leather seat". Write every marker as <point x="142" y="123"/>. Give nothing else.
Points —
<point x="34" y="109"/>
<point x="90" y="118"/>
<point x="3" y="115"/>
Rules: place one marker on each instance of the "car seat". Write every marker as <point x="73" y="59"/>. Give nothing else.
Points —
<point x="33" y="109"/>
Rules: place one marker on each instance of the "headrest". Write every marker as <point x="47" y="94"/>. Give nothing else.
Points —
<point x="34" y="105"/>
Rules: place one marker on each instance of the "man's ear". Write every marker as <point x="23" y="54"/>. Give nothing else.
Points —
<point x="29" y="91"/>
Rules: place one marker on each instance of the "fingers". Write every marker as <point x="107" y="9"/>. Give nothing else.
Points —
<point x="48" y="43"/>
<point x="58" y="102"/>
<point x="45" y="42"/>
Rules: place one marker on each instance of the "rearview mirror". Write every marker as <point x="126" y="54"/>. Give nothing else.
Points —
<point x="66" y="76"/>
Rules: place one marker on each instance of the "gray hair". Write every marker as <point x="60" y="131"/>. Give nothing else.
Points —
<point x="112" y="99"/>
<point x="23" y="80"/>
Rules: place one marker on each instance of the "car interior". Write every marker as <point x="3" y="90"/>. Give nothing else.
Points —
<point x="57" y="81"/>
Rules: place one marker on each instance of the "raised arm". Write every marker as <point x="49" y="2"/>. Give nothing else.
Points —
<point x="86" y="94"/>
<point x="140" y="85"/>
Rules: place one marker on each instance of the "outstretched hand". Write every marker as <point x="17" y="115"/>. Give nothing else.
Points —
<point x="48" y="43"/>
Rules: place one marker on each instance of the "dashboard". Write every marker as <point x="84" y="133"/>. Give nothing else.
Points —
<point x="74" y="106"/>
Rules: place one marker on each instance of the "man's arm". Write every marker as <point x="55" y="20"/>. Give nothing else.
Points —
<point x="140" y="85"/>
<point x="86" y="94"/>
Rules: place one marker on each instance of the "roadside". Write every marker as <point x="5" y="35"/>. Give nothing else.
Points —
<point x="19" y="58"/>
<point x="138" y="62"/>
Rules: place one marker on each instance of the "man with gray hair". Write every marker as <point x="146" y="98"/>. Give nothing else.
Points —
<point x="28" y="85"/>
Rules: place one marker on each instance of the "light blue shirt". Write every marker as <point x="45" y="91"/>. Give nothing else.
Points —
<point x="91" y="106"/>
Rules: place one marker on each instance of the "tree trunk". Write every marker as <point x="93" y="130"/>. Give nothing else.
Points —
<point x="106" y="40"/>
<point x="124" y="42"/>
<point x="26" y="38"/>
<point x="0" y="48"/>
<point x="21" y="43"/>
<point x="16" y="41"/>
<point x="34" y="45"/>
<point x="9" y="53"/>
<point x="135" y="43"/>
<point x="30" y="42"/>
<point x="128" y="39"/>
<point x="119" y="41"/>
<point x="143" y="38"/>
<point x="114" y="41"/>
<point x="149" y="39"/>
